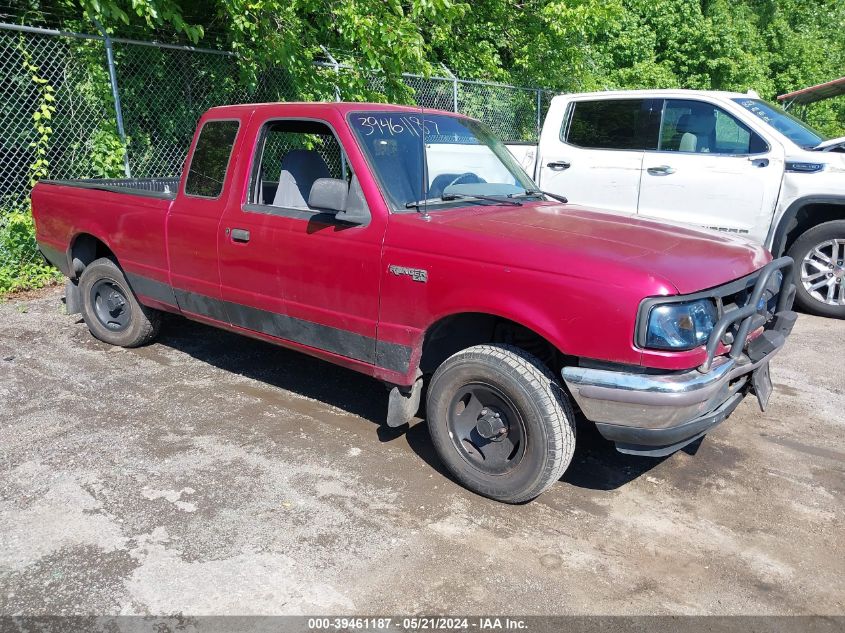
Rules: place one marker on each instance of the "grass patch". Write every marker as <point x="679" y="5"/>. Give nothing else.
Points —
<point x="21" y="265"/>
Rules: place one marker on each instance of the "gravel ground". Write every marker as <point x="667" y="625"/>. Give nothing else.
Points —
<point x="212" y="474"/>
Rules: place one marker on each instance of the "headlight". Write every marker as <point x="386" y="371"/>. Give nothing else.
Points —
<point x="680" y="326"/>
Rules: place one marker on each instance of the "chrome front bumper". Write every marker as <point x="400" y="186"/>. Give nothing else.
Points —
<point x="658" y="413"/>
<point x="655" y="401"/>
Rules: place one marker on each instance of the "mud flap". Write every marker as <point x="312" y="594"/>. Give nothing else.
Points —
<point x="73" y="298"/>
<point x="404" y="402"/>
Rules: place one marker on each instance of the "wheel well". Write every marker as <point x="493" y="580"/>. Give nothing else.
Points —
<point x="85" y="249"/>
<point x="460" y="331"/>
<point x="810" y="215"/>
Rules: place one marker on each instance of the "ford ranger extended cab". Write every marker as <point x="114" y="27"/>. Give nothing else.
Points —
<point x="410" y="246"/>
<point x="725" y="161"/>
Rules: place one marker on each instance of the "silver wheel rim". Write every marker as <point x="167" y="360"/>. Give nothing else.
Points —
<point x="823" y="272"/>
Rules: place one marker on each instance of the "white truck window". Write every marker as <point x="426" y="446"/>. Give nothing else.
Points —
<point x="628" y="124"/>
<point x="699" y="127"/>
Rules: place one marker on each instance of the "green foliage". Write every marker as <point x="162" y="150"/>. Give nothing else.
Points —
<point x="21" y="266"/>
<point x="107" y="153"/>
<point x="151" y="12"/>
<point x="771" y="46"/>
<point x="385" y="36"/>
<point x="41" y="117"/>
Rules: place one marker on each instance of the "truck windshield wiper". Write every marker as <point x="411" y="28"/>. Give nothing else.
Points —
<point x="537" y="192"/>
<point x="498" y="199"/>
<point x="449" y="197"/>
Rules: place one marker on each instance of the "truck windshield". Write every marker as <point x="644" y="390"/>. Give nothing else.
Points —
<point x="792" y="128"/>
<point x="436" y="159"/>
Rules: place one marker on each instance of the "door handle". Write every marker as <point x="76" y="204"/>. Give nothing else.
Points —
<point x="239" y="235"/>
<point x="661" y="170"/>
<point x="558" y="165"/>
<point x="759" y="162"/>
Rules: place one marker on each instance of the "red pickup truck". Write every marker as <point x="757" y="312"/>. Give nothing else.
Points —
<point x="410" y="246"/>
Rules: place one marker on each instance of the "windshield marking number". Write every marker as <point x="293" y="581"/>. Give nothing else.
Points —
<point x="396" y="126"/>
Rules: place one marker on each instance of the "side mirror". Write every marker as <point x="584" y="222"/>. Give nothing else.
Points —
<point x="328" y="194"/>
<point x="357" y="211"/>
<point x="347" y="202"/>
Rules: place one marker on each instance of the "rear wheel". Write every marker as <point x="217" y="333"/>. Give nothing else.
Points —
<point x="500" y="422"/>
<point x="110" y="309"/>
<point x="819" y="256"/>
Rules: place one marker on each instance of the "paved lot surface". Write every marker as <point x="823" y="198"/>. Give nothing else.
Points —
<point x="209" y="473"/>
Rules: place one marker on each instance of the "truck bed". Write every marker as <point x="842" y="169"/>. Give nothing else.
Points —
<point x="129" y="215"/>
<point x="164" y="188"/>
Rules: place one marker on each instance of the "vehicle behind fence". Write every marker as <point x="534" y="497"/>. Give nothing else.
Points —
<point x="86" y="106"/>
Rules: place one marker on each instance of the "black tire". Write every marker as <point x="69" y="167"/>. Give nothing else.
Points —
<point x="539" y="422"/>
<point x="800" y="249"/>
<point x="110" y="309"/>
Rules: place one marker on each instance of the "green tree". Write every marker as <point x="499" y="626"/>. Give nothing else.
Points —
<point x="771" y="46"/>
<point x="153" y="13"/>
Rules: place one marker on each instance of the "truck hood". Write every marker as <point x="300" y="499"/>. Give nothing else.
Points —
<point x="831" y="145"/>
<point x="607" y="246"/>
<point x="830" y="153"/>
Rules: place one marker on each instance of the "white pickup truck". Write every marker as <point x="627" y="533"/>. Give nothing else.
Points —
<point x="721" y="160"/>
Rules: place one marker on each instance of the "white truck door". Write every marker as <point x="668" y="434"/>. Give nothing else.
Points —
<point x="711" y="170"/>
<point x="594" y="154"/>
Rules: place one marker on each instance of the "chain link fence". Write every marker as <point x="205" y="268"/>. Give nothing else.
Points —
<point x="67" y="112"/>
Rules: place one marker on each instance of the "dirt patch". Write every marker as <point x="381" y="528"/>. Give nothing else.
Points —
<point x="30" y="295"/>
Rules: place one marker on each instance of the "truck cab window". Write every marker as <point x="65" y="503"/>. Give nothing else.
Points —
<point x="207" y="171"/>
<point x="291" y="157"/>
<point x="703" y="128"/>
<point x="626" y="124"/>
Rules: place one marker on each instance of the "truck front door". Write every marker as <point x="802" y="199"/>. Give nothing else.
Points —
<point x="595" y="158"/>
<point x="710" y="169"/>
<point x="292" y="271"/>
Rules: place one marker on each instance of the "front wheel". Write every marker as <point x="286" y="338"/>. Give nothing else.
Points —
<point x="110" y="309"/>
<point x="500" y="422"/>
<point x="819" y="256"/>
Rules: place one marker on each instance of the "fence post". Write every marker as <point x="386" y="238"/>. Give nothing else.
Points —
<point x="450" y="74"/>
<point x="539" y="115"/>
<point x="336" y="65"/>
<point x="118" y="112"/>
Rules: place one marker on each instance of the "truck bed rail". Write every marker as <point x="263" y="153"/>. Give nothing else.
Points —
<point x="164" y="188"/>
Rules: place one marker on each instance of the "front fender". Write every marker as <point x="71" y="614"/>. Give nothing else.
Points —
<point x="579" y="317"/>
<point x="777" y="240"/>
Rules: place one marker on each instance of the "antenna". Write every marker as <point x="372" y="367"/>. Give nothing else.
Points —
<point x="424" y="166"/>
<point x="423" y="149"/>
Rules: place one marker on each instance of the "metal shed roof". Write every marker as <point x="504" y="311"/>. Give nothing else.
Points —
<point x="815" y="93"/>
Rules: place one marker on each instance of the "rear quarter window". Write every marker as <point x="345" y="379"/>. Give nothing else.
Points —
<point x="207" y="171"/>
